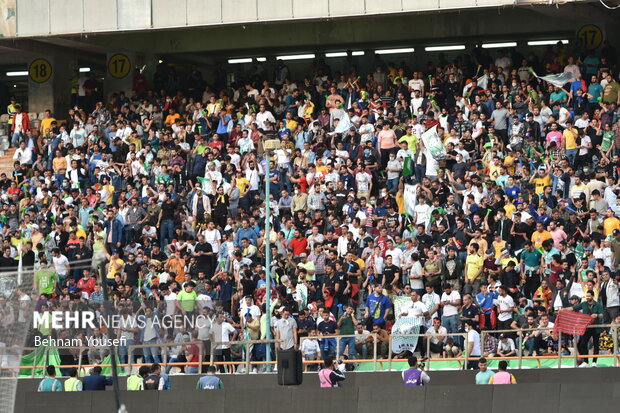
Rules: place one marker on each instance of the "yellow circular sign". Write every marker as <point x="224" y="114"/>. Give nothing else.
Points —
<point x="591" y="36"/>
<point x="40" y="70"/>
<point x="119" y="66"/>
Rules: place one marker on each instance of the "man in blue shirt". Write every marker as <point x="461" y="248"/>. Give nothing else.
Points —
<point x="210" y="381"/>
<point x="95" y="381"/>
<point x="377" y="307"/>
<point x="246" y="232"/>
<point x="485" y="302"/>
<point x="222" y="126"/>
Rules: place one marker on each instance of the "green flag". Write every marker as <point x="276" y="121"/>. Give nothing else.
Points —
<point x="408" y="166"/>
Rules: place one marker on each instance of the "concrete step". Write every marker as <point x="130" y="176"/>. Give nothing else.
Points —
<point x="6" y="162"/>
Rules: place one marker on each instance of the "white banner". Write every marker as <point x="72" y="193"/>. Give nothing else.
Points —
<point x="411" y="199"/>
<point x="404" y="325"/>
<point x="433" y="144"/>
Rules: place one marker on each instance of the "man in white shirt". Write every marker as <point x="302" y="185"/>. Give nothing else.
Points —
<point x="450" y="301"/>
<point x="505" y="306"/>
<point x="431" y="299"/>
<point x="23" y="154"/>
<point x="473" y="345"/>
<point x="248" y="307"/>
<point x="264" y="116"/>
<point x="415" y="308"/>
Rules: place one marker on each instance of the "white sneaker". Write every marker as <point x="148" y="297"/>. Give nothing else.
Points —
<point x="593" y="364"/>
<point x="584" y="364"/>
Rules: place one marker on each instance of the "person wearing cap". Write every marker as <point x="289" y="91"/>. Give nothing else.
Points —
<point x="506" y="346"/>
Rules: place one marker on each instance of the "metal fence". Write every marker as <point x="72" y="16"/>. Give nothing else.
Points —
<point x="378" y="363"/>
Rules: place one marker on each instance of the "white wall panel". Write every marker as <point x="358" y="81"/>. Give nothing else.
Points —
<point x="66" y="16"/>
<point x="275" y="9"/>
<point x="345" y="7"/>
<point x="456" y="4"/>
<point x="419" y="5"/>
<point x="168" y="13"/>
<point x="239" y="11"/>
<point x="382" y="6"/>
<point x="32" y="17"/>
<point x="134" y="14"/>
<point x="303" y="9"/>
<point x="201" y="12"/>
<point x="100" y="15"/>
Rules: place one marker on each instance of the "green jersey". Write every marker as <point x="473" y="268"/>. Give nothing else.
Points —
<point x="44" y="280"/>
<point x="187" y="301"/>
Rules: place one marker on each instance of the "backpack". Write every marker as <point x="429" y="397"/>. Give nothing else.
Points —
<point x="152" y="382"/>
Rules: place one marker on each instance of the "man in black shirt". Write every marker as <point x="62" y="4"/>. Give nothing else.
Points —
<point x="204" y="256"/>
<point x="165" y="222"/>
<point x="132" y="271"/>
<point x="158" y="254"/>
<point x="391" y="273"/>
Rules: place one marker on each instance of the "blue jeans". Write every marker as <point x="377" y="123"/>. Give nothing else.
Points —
<point x="571" y="154"/>
<point x="451" y="323"/>
<point x="350" y="342"/>
<point x="151" y="354"/>
<point x="123" y="353"/>
<point x="166" y="232"/>
<point x="192" y="370"/>
<point x="392" y="185"/>
<point x="16" y="139"/>
<point x="328" y="347"/>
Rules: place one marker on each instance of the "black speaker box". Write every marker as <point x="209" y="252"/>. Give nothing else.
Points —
<point x="290" y="368"/>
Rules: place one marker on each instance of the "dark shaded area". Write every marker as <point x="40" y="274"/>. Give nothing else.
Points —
<point x="566" y="390"/>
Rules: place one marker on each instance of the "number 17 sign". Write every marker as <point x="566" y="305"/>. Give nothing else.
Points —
<point x="119" y="65"/>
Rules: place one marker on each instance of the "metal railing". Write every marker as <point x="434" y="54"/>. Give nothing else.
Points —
<point x="248" y="362"/>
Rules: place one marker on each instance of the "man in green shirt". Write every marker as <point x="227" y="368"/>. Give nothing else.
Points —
<point x="45" y="279"/>
<point x="595" y="310"/>
<point x="186" y="299"/>
<point x="347" y="324"/>
<point x="50" y="383"/>
<point x="484" y="375"/>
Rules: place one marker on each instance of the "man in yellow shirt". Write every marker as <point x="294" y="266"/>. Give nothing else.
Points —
<point x="46" y="122"/>
<point x="172" y="117"/>
<point x="610" y="223"/>
<point x="541" y="180"/>
<point x="569" y="137"/>
<point x="540" y="235"/>
<point x="474" y="264"/>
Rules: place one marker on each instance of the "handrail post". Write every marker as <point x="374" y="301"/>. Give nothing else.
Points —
<point x="34" y="363"/>
<point x="390" y="352"/>
<point x="129" y="351"/>
<point x="165" y="358"/>
<point x="80" y="359"/>
<point x="337" y="347"/>
<point x="45" y="356"/>
<point x="428" y="352"/>
<point x="520" y="348"/>
<point x="374" y="349"/>
<point x="466" y="352"/>
<point x="614" y="330"/>
<point x="247" y="358"/>
<point x="576" y="350"/>
<point x="212" y="355"/>
<point x="559" y="349"/>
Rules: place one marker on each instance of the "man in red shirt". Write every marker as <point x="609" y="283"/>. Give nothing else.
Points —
<point x="87" y="283"/>
<point x="298" y="244"/>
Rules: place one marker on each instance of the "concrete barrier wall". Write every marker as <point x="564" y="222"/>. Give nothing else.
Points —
<point x="551" y="391"/>
<point x="54" y="17"/>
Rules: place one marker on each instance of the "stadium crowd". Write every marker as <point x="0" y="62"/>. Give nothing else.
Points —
<point x="157" y="195"/>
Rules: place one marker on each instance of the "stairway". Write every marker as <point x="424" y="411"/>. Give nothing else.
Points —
<point x="6" y="162"/>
